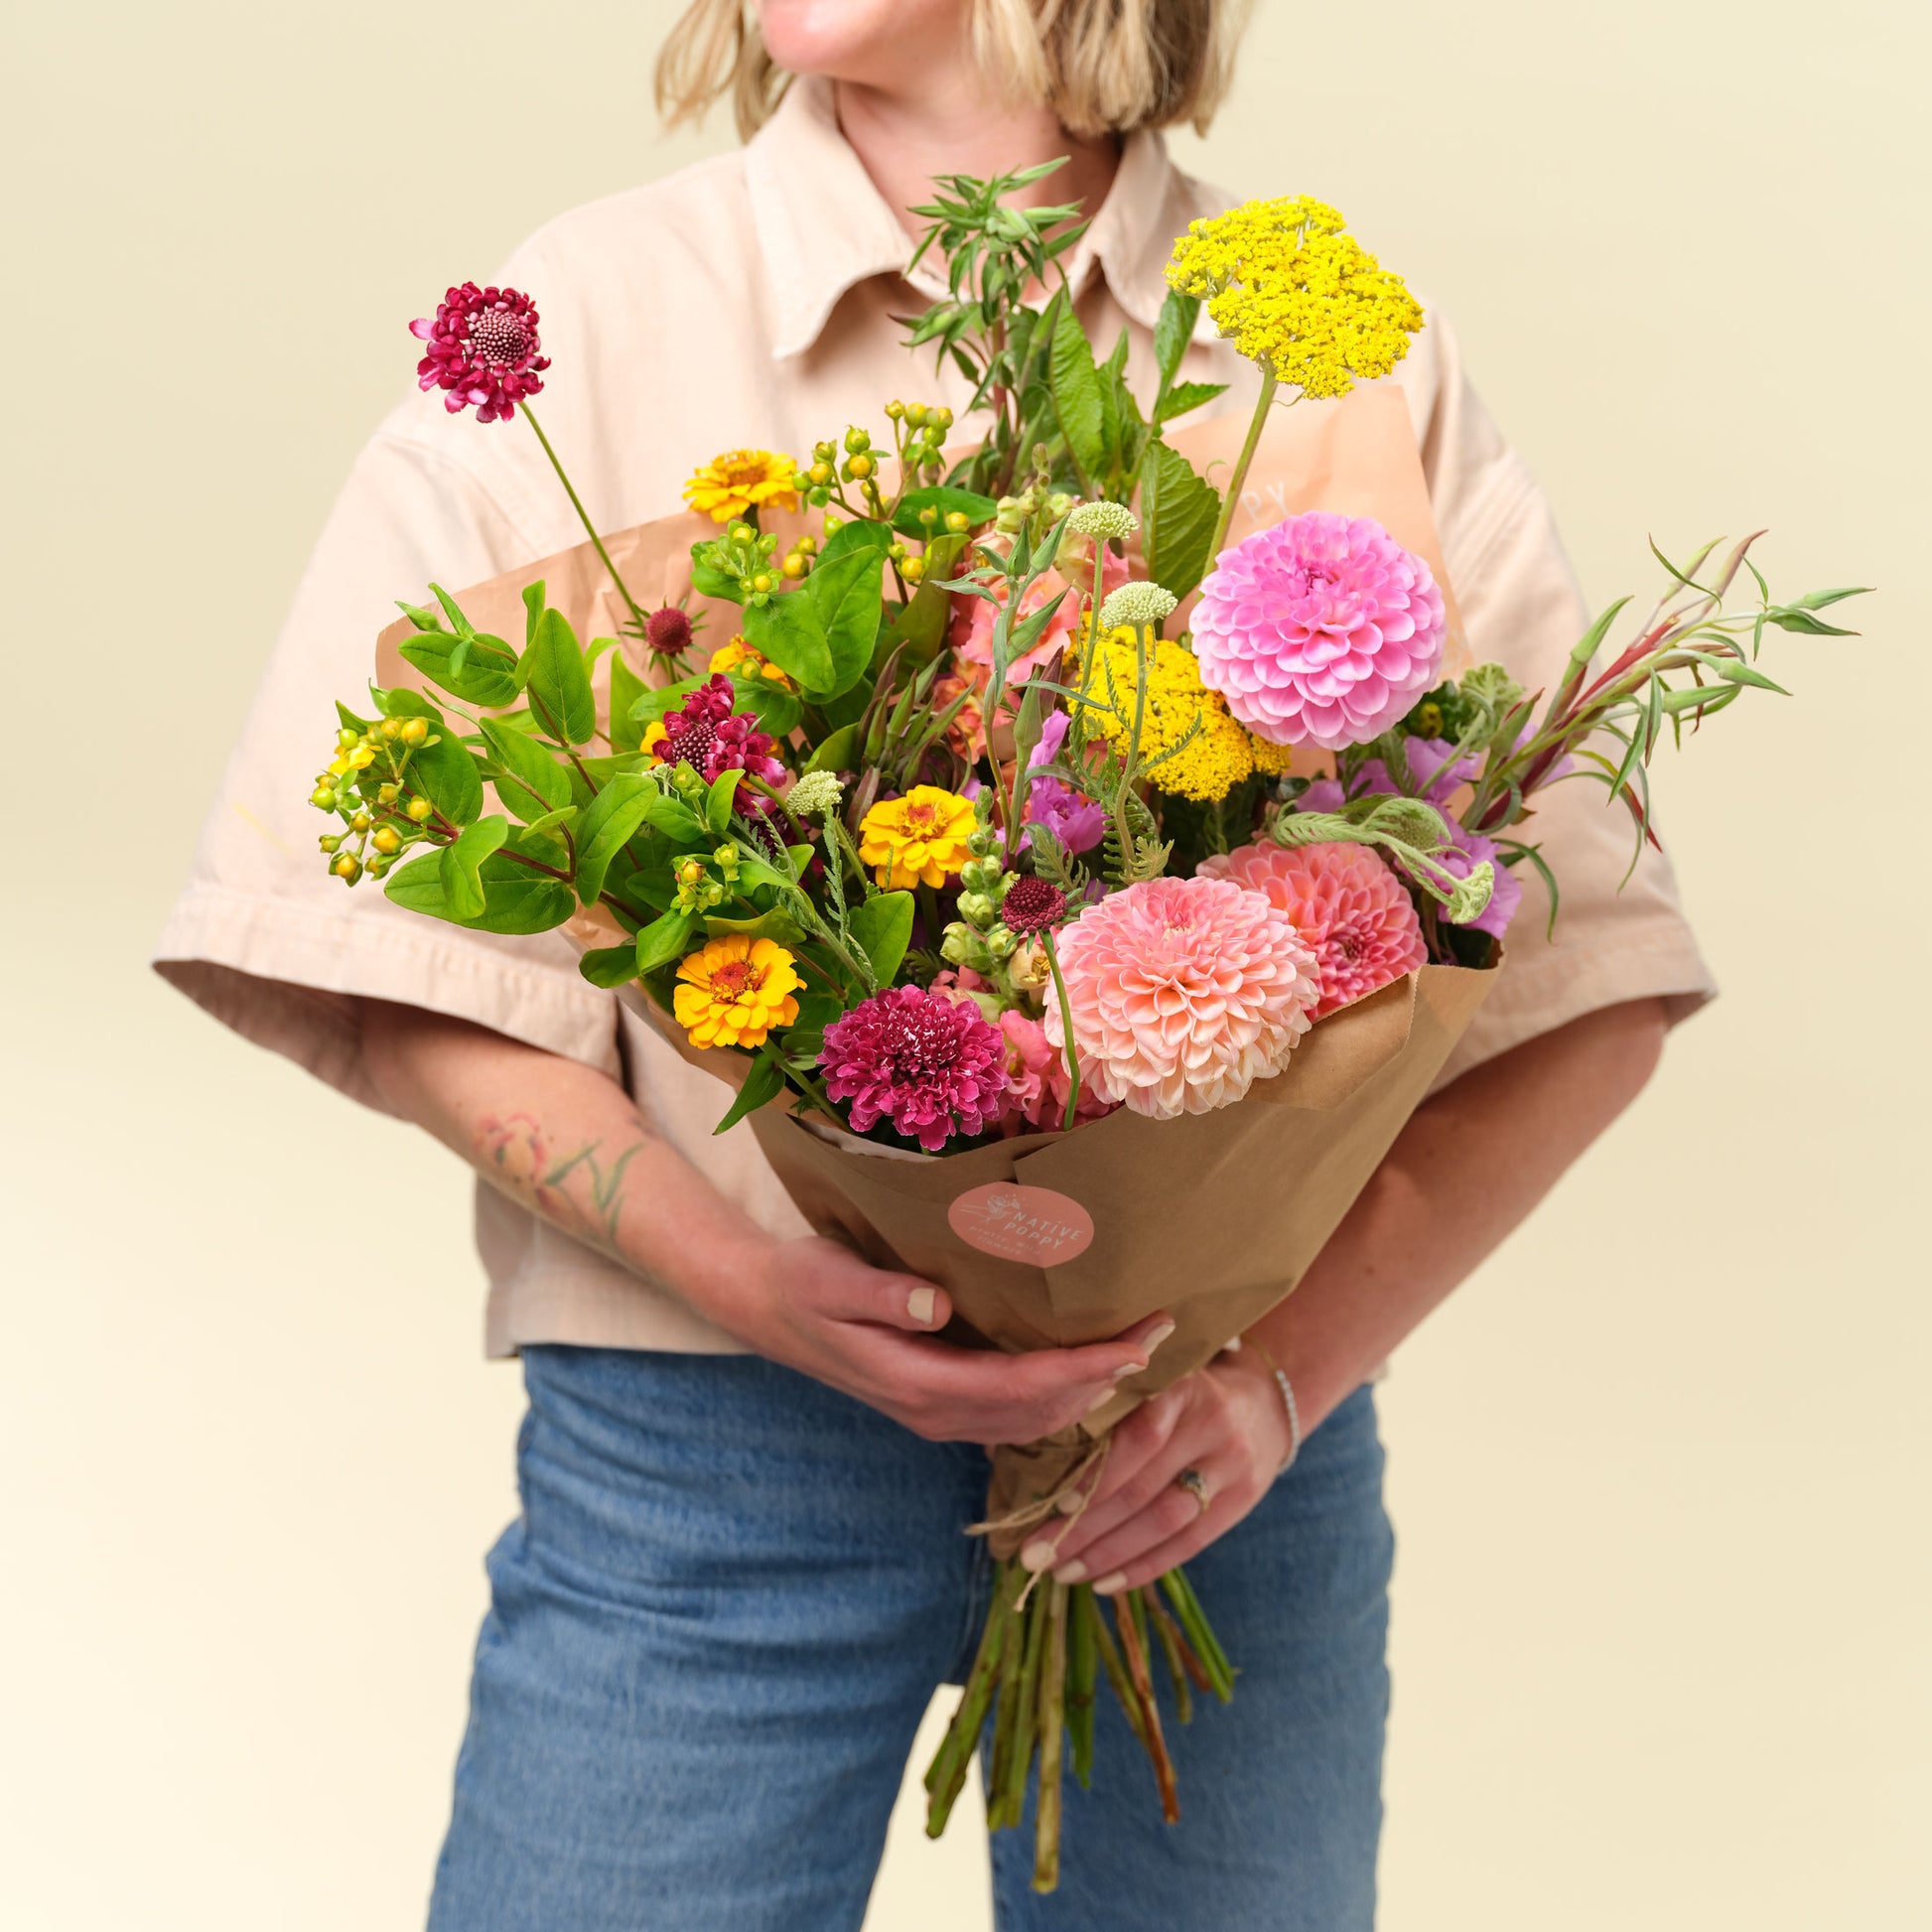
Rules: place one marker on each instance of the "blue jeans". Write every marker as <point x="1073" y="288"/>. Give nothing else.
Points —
<point x="721" y="1615"/>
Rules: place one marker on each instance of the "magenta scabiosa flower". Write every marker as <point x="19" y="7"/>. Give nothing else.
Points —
<point x="1352" y="911"/>
<point x="706" y="735"/>
<point x="1184" y="993"/>
<point x="1032" y="905"/>
<point x="1319" y="630"/>
<point x="930" y="1067"/>
<point x="482" y="348"/>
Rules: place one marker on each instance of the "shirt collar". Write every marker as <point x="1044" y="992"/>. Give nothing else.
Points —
<point x="823" y="228"/>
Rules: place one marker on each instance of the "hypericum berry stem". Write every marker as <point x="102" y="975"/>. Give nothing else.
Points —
<point x="638" y="615"/>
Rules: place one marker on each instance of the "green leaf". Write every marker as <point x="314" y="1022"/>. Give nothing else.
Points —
<point x="861" y="533"/>
<point x="764" y="1083"/>
<point x="1790" y="618"/>
<point x="533" y="783"/>
<point x="1077" y="398"/>
<point x="446" y="773"/>
<point x="1184" y="396"/>
<point x="1174" y="330"/>
<point x="883" y="926"/>
<point x="837" y="752"/>
<point x="610" y="966"/>
<point x="1179" y="511"/>
<point x="844" y="598"/>
<point x="780" y="927"/>
<point x="612" y="816"/>
<point x="533" y="606"/>
<point x="677" y="821"/>
<point x="719" y="800"/>
<point x="922" y="622"/>
<point x="1818" y="600"/>
<point x="657" y="700"/>
<point x="709" y="581"/>
<point x="548" y="827"/>
<point x="558" y="679"/>
<point x="488" y="674"/>
<point x="945" y="500"/>
<point x="666" y="939"/>
<point x="457" y="864"/>
<point x="626" y="688"/>
<point x="515" y="900"/>
<point x="787" y="629"/>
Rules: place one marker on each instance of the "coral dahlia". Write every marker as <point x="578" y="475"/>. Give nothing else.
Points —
<point x="1184" y="992"/>
<point x="482" y="348"/>
<point x="930" y="1066"/>
<point x="1349" y="907"/>
<point x="1320" y="630"/>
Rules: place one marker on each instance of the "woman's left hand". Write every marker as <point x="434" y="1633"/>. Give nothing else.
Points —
<point x="1227" y="1424"/>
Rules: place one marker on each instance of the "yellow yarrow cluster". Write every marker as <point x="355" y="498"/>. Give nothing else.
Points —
<point x="1293" y="292"/>
<point x="917" y="840"/>
<point x="738" y="480"/>
<point x="737" y="656"/>
<point x="1219" y="755"/>
<point x="734" y="990"/>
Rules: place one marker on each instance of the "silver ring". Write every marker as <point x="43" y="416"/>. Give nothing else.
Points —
<point x="1196" y="1486"/>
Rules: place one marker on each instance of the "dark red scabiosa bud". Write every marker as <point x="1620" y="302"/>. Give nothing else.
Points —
<point x="667" y="632"/>
<point x="1030" y="906"/>
<point x="482" y="348"/>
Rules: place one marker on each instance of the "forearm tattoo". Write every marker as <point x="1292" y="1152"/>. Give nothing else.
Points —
<point x="578" y="1188"/>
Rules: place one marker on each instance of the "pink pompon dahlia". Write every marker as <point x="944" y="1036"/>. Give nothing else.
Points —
<point x="1184" y="992"/>
<point x="1351" y="910"/>
<point x="703" y="734"/>
<point x="1319" y="630"/>
<point x="482" y="349"/>
<point x="930" y="1066"/>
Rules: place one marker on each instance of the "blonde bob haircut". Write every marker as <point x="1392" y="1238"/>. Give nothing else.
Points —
<point x="1105" y="67"/>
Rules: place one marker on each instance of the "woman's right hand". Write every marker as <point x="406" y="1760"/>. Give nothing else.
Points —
<point x="814" y="1305"/>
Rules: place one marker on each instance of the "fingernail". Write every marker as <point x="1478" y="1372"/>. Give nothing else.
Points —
<point x="1071" y="1506"/>
<point x="1072" y="1571"/>
<point x="1128" y="1368"/>
<point x="1153" y="1342"/>
<point x="918" y="1305"/>
<point x="1036" y="1555"/>
<point x="1111" y="1584"/>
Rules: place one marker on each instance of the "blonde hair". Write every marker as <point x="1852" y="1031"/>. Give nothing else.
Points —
<point x="1105" y="67"/>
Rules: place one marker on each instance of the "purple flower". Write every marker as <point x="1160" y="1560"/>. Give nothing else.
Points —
<point x="931" y="1069"/>
<point x="482" y="348"/>
<point x="703" y="734"/>
<point x="1076" y="821"/>
<point x="1504" y="896"/>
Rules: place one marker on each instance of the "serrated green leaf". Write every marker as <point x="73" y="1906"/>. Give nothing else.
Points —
<point x="558" y="680"/>
<point x="1077" y="403"/>
<point x="1174" y="330"/>
<point x="1179" y="511"/>
<point x="1184" y="396"/>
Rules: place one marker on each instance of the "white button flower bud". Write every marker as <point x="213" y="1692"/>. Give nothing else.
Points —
<point x="1136" y="604"/>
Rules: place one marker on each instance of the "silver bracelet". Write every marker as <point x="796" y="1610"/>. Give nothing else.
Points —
<point x="1288" y="1398"/>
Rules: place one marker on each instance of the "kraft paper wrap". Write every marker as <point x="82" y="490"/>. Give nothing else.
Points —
<point x="1212" y="1217"/>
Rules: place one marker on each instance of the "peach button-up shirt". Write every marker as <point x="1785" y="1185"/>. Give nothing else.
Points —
<point x="752" y="300"/>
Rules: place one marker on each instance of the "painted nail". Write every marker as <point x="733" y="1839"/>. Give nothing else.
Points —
<point x="1069" y="1505"/>
<point x="1036" y="1555"/>
<point x="1111" y="1584"/>
<point x="1072" y="1571"/>
<point x="918" y="1305"/>
<point x="1159" y="1335"/>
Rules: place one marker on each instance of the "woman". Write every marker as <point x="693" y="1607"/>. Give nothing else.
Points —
<point x="738" y="1573"/>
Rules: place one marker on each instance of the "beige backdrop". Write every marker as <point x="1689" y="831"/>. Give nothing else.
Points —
<point x="1659" y="1473"/>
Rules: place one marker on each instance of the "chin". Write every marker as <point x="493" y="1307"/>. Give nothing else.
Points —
<point x="872" y="41"/>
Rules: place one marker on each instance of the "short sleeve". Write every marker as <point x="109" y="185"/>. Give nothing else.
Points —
<point x="1614" y="939"/>
<point x="262" y="936"/>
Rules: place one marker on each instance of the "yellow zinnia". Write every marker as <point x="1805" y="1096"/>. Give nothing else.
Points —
<point x="1211" y="763"/>
<point x="743" y="479"/>
<point x="734" y="990"/>
<point x="738" y="657"/>
<point x="1293" y="292"/>
<point x="917" y="840"/>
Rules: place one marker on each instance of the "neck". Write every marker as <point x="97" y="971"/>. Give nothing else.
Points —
<point x="955" y="129"/>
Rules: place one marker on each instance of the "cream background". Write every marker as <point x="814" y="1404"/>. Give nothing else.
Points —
<point x="1659" y="1473"/>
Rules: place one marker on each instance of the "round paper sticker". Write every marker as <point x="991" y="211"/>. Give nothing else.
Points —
<point x="1016" y="1224"/>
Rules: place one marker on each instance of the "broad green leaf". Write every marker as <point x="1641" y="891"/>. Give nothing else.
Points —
<point x="1078" y="399"/>
<point x="883" y="926"/>
<point x="780" y="927"/>
<point x="458" y="621"/>
<point x="788" y="630"/>
<point x="837" y="752"/>
<point x="516" y="899"/>
<point x="666" y="939"/>
<point x="1179" y="511"/>
<point x="446" y="773"/>
<point x="610" y="966"/>
<point x="845" y="598"/>
<point x="922" y="622"/>
<point x="709" y="581"/>
<point x="719" y="799"/>
<point x="458" y="862"/>
<point x="1184" y="396"/>
<point x="677" y="821"/>
<point x="764" y="1082"/>
<point x="861" y="533"/>
<point x="776" y="709"/>
<point x="549" y="829"/>
<point x="534" y="783"/>
<point x="533" y="606"/>
<point x="558" y="681"/>
<point x="608" y="824"/>
<point x="943" y="499"/>
<point x="626" y="688"/>
<point x="1174" y="330"/>
<point x="488" y="674"/>
<point x="656" y="701"/>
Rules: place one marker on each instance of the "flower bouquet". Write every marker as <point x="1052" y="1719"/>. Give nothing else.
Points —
<point x="1048" y="874"/>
